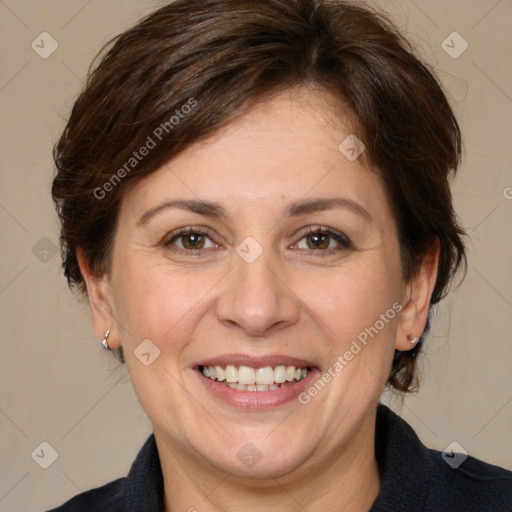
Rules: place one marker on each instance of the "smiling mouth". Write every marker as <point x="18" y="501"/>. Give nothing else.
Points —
<point x="246" y="378"/>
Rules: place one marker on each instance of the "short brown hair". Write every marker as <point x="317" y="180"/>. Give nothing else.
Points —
<point x="225" y="55"/>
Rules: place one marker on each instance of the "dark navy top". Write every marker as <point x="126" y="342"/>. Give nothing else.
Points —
<point x="413" y="479"/>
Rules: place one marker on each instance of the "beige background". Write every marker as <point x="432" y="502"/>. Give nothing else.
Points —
<point x="58" y="386"/>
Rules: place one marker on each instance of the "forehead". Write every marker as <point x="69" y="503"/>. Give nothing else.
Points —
<point x="287" y="147"/>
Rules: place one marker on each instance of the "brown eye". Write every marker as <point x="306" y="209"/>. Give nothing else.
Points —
<point x="323" y="240"/>
<point x="192" y="241"/>
<point x="318" y="241"/>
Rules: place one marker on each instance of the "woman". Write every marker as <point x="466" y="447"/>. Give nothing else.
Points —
<point x="254" y="196"/>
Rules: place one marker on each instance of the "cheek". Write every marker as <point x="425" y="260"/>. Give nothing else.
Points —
<point x="156" y="302"/>
<point x="358" y="301"/>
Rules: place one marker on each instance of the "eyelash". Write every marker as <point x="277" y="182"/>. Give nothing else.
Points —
<point x="343" y="240"/>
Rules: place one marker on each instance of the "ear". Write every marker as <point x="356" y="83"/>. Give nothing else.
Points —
<point x="100" y="301"/>
<point x="416" y="300"/>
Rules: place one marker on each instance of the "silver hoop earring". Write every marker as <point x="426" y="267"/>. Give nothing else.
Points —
<point x="104" y="343"/>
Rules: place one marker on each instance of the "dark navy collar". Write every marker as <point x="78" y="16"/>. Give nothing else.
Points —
<point x="404" y="464"/>
<point x="144" y="490"/>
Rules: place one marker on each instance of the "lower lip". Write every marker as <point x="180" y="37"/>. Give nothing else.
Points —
<point x="257" y="399"/>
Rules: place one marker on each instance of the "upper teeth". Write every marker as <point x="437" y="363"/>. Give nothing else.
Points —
<point x="247" y="375"/>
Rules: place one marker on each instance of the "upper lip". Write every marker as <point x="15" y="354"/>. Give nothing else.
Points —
<point x="255" y="361"/>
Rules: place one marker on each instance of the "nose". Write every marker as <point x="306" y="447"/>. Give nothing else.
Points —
<point x="256" y="299"/>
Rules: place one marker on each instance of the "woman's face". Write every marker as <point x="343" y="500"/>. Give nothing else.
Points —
<point x="290" y="258"/>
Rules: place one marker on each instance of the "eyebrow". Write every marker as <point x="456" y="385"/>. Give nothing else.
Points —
<point x="315" y="205"/>
<point x="296" y="209"/>
<point x="207" y="208"/>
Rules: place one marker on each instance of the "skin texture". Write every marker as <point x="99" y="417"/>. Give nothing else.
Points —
<point x="294" y="299"/>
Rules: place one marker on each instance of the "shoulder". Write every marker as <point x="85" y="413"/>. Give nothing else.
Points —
<point x="416" y="478"/>
<point x="141" y="490"/>
<point x="108" y="497"/>
<point x="474" y="483"/>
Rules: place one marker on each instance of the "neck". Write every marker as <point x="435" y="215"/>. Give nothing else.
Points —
<point x="348" y="479"/>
